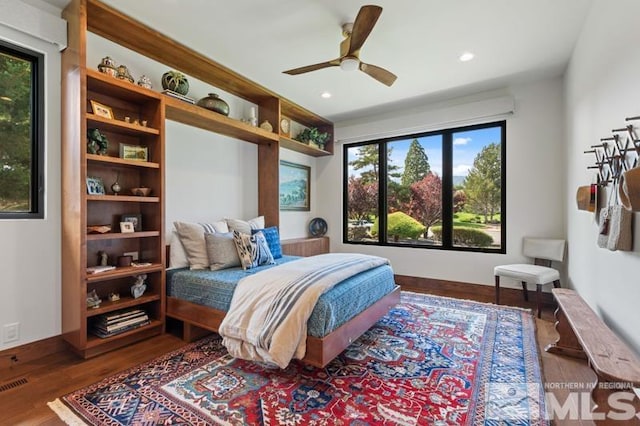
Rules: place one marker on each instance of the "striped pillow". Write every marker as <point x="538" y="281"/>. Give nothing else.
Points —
<point x="192" y="239"/>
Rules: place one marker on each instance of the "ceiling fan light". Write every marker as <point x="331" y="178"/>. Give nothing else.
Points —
<point x="349" y="64"/>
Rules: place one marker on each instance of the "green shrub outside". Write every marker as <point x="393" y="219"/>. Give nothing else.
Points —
<point x="465" y="236"/>
<point x="467" y="217"/>
<point x="400" y="226"/>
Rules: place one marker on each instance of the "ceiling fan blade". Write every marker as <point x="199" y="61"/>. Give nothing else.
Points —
<point x="302" y="70"/>
<point x="380" y="74"/>
<point x="362" y="26"/>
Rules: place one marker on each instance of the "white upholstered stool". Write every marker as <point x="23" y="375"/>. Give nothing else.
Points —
<point x="543" y="251"/>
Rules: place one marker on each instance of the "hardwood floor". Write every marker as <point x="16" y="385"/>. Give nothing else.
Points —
<point x="63" y="372"/>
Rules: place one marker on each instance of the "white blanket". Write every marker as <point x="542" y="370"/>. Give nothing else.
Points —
<point x="267" y="319"/>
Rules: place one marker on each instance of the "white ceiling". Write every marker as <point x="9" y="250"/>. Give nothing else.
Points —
<point x="418" y="40"/>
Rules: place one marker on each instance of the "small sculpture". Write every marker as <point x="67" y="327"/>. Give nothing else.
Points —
<point x="138" y="287"/>
<point x="108" y="66"/>
<point x="104" y="258"/>
<point x="145" y="82"/>
<point x="93" y="301"/>
<point x="253" y="118"/>
<point x="113" y="297"/>
<point x="97" y="143"/>
<point x="115" y="187"/>
<point x="123" y="74"/>
<point x="266" y="126"/>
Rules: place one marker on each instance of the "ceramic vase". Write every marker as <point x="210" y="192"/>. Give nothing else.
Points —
<point x="214" y="103"/>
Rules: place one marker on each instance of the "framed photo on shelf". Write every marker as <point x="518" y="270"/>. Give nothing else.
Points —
<point x="135" y="219"/>
<point x="295" y="181"/>
<point x="95" y="186"/>
<point x="134" y="152"/>
<point x="101" y="110"/>
<point x="126" y="227"/>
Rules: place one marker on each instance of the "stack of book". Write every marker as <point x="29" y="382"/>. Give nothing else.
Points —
<point x="179" y="96"/>
<point x="117" y="322"/>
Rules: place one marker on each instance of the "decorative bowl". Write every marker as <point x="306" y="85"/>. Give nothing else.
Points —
<point x="98" y="229"/>
<point x="141" y="192"/>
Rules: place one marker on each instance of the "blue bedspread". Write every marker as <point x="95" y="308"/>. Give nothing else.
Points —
<point x="334" y="308"/>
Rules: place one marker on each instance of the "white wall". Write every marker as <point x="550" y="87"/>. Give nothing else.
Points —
<point x="602" y="88"/>
<point x="535" y="169"/>
<point x="30" y="249"/>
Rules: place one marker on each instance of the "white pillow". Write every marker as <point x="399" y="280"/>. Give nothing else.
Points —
<point x="177" y="254"/>
<point x="245" y="226"/>
<point x="192" y="239"/>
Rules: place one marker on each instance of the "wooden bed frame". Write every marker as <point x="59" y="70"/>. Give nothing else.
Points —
<point x="199" y="320"/>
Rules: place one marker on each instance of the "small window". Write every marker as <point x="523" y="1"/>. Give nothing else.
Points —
<point x="21" y="133"/>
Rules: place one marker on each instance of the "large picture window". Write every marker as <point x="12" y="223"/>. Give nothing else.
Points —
<point x="443" y="189"/>
<point x="21" y="133"/>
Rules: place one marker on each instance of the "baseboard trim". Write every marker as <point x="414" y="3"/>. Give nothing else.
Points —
<point x="14" y="361"/>
<point x="482" y="293"/>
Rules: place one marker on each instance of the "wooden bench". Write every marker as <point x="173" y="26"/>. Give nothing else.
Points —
<point x="582" y="334"/>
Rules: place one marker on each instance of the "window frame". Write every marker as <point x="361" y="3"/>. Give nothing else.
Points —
<point x="446" y="192"/>
<point x="37" y="188"/>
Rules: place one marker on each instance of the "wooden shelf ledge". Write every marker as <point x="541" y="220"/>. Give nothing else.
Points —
<point x="124" y="302"/>
<point x="123" y="198"/>
<point x="202" y="118"/>
<point x="100" y="82"/>
<point x="302" y="148"/>
<point x="122" y="272"/>
<point x="93" y="340"/>
<point x="119" y="126"/>
<point x="120" y="235"/>
<point x="121" y="161"/>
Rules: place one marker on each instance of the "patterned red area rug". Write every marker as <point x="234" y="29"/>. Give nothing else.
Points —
<point x="431" y="360"/>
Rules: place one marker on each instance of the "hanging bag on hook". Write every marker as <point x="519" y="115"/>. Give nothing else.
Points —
<point x="620" y="237"/>
<point x="614" y="226"/>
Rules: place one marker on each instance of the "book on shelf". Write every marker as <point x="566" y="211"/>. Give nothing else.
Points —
<point x="121" y="313"/>
<point x="104" y="334"/>
<point x="140" y="264"/>
<point x="122" y="317"/>
<point x="121" y="324"/>
<point x="116" y="322"/>
<point x="179" y="96"/>
<point x="99" y="268"/>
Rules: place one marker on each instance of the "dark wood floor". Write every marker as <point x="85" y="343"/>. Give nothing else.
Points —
<point x="63" y="372"/>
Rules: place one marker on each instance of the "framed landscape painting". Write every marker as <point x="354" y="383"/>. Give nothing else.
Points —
<point x="295" y="180"/>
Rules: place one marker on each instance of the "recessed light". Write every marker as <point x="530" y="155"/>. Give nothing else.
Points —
<point x="466" y="56"/>
<point x="325" y="95"/>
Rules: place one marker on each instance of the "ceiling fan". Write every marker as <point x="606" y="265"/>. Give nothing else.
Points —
<point x="355" y="34"/>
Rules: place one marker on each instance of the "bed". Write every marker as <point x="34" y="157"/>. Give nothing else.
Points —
<point x="200" y="299"/>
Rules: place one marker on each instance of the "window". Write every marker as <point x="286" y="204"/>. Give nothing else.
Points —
<point x="21" y="133"/>
<point x="441" y="189"/>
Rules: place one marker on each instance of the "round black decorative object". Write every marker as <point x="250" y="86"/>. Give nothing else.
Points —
<point x="317" y="227"/>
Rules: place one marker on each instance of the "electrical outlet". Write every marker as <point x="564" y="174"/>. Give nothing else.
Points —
<point x="11" y="332"/>
<point x="133" y="254"/>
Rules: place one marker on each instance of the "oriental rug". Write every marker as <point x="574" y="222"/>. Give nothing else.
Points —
<point x="429" y="361"/>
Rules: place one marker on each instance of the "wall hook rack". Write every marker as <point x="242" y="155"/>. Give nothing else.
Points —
<point x="616" y="154"/>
